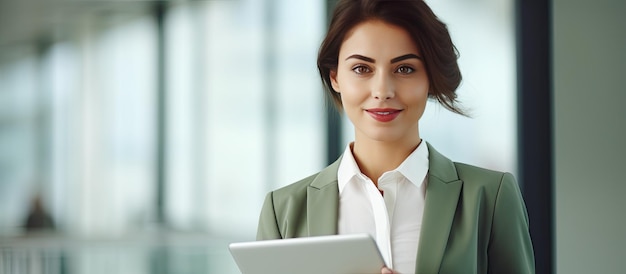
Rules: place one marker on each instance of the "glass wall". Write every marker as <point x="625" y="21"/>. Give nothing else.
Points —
<point x="18" y="135"/>
<point x="484" y="34"/>
<point x="243" y="95"/>
<point x="80" y="131"/>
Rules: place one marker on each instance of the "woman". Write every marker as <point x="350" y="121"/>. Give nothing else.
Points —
<point x="380" y="62"/>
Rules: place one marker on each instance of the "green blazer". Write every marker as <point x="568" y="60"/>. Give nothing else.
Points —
<point x="474" y="220"/>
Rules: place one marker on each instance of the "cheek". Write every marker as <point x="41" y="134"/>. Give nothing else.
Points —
<point x="351" y="101"/>
<point x="415" y="92"/>
<point x="352" y="92"/>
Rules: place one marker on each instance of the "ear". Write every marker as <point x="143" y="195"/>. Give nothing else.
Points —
<point x="333" y="81"/>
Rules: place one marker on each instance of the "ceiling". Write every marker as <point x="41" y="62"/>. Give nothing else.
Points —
<point x="24" y="22"/>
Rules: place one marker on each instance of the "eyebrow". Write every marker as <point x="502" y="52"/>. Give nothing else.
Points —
<point x="394" y="60"/>
<point x="361" y="57"/>
<point x="404" y="57"/>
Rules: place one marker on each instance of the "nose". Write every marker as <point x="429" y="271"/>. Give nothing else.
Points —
<point x="382" y="87"/>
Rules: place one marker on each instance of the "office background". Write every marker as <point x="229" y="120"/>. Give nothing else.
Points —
<point x="152" y="130"/>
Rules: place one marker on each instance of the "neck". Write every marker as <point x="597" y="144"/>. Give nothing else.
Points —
<point x="376" y="157"/>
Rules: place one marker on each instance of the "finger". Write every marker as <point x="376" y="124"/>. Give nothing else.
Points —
<point x="386" y="270"/>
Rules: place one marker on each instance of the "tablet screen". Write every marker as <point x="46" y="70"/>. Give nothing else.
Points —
<point x="354" y="253"/>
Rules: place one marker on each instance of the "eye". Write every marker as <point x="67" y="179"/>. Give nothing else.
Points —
<point x="361" y="69"/>
<point x="405" y="70"/>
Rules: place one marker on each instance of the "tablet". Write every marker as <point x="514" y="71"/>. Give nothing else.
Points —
<point x="336" y="254"/>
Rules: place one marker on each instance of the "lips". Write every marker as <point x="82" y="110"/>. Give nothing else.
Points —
<point x="383" y="114"/>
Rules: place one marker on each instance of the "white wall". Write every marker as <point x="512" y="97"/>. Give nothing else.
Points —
<point x="590" y="135"/>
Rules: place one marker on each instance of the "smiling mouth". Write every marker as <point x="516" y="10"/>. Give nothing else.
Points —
<point x="382" y="112"/>
<point x="383" y="115"/>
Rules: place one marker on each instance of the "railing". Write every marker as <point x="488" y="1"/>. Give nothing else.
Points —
<point x="152" y="253"/>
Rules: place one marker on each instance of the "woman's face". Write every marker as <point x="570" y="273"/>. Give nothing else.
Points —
<point x="382" y="81"/>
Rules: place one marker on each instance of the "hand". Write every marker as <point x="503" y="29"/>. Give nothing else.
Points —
<point x="386" y="270"/>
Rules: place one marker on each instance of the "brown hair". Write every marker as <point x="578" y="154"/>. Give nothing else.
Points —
<point x="431" y="36"/>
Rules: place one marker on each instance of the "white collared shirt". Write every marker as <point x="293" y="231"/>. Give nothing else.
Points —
<point x="394" y="219"/>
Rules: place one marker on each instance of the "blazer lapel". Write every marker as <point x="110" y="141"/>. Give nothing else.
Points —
<point x="442" y="196"/>
<point x="323" y="202"/>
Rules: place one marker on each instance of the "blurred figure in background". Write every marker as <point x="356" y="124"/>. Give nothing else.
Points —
<point x="38" y="218"/>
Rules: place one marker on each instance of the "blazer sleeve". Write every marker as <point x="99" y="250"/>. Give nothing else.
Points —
<point x="268" y="225"/>
<point x="510" y="248"/>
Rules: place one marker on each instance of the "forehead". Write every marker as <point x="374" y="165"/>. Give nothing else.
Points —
<point x="376" y="38"/>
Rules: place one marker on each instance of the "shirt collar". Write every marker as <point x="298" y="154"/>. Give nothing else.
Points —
<point x="414" y="168"/>
<point x="347" y="168"/>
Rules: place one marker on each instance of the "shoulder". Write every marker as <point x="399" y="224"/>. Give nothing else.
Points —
<point x="473" y="173"/>
<point x="297" y="188"/>
<point x="483" y="178"/>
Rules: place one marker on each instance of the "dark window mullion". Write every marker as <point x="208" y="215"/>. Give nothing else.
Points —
<point x="535" y="149"/>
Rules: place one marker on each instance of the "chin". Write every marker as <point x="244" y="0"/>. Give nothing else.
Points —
<point x="384" y="135"/>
